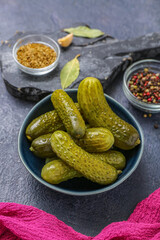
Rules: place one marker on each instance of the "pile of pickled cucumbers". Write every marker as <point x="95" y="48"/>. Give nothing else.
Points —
<point x="78" y="139"/>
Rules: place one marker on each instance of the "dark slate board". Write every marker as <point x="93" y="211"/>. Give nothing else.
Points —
<point x="104" y="58"/>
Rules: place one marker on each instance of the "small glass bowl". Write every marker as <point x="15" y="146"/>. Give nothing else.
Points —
<point x="36" y="39"/>
<point x="153" y="65"/>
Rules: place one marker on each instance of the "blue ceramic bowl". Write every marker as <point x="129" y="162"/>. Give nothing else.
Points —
<point x="77" y="186"/>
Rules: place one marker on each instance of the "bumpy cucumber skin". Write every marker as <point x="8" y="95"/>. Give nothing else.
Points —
<point x="96" y="140"/>
<point x="112" y="157"/>
<point x="82" y="161"/>
<point x="41" y="146"/>
<point x="68" y="113"/>
<point x="57" y="171"/>
<point x="45" y="123"/>
<point x="97" y="112"/>
<point x="77" y="106"/>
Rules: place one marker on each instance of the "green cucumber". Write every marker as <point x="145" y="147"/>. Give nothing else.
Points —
<point x="68" y="113"/>
<point x="89" y="166"/>
<point x="98" y="113"/>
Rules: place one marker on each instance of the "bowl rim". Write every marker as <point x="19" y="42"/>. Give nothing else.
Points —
<point x="128" y="93"/>
<point x="73" y="192"/>
<point x="36" y="69"/>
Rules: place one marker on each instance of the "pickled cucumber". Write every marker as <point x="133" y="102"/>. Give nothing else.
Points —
<point x="98" y="113"/>
<point x="57" y="171"/>
<point x="41" y="146"/>
<point x="112" y="157"/>
<point x="96" y="140"/>
<point x="82" y="161"/>
<point x="68" y="113"/>
<point x="45" y="123"/>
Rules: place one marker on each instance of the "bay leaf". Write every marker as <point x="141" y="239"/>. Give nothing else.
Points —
<point x="69" y="72"/>
<point x="84" y="31"/>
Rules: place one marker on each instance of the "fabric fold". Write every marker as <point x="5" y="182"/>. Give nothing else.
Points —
<point x="21" y="222"/>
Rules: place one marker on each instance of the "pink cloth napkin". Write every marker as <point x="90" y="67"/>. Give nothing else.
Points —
<point x="29" y="223"/>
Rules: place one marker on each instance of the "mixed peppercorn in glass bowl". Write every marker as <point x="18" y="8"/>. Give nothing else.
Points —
<point x="141" y="85"/>
<point x="36" y="54"/>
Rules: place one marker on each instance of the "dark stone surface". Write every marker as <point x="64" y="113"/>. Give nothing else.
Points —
<point x="122" y="19"/>
<point x="34" y="88"/>
<point x="104" y="58"/>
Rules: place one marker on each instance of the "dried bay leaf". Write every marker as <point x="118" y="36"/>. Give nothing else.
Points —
<point x="83" y="31"/>
<point x="69" y="72"/>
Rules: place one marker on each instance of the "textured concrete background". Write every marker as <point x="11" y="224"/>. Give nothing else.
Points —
<point x="122" y="19"/>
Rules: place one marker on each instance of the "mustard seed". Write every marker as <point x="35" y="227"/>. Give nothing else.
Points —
<point x="36" y="55"/>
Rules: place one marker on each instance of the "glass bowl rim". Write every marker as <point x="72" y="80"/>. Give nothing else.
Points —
<point x="133" y="99"/>
<point x="36" y="69"/>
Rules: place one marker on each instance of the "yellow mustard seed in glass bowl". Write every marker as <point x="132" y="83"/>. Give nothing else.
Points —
<point x="36" y="55"/>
